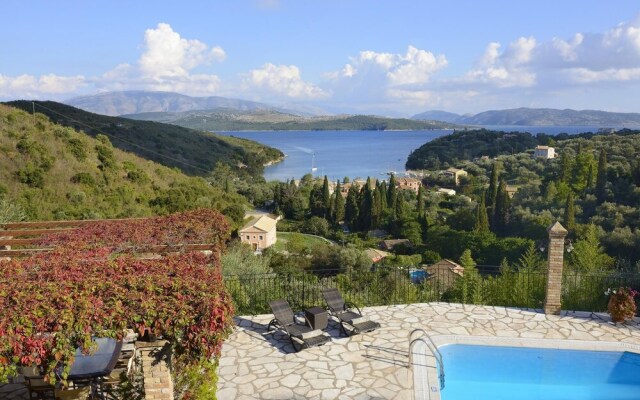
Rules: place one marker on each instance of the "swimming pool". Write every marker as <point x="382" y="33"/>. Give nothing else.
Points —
<point x="493" y="372"/>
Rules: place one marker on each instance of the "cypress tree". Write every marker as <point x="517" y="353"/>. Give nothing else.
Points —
<point x="420" y="207"/>
<point x="482" y="220"/>
<point x="570" y="214"/>
<point x="565" y="167"/>
<point x="400" y="206"/>
<point x="424" y="225"/>
<point x="352" y="209"/>
<point x="590" y="177"/>
<point x="376" y="210"/>
<point x="392" y="193"/>
<point x="326" y="197"/>
<point x="503" y="203"/>
<point x="337" y="210"/>
<point x="635" y="172"/>
<point x="601" y="178"/>
<point x="366" y="206"/>
<point x="493" y="186"/>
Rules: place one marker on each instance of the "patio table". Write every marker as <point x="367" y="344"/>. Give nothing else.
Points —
<point x="89" y="368"/>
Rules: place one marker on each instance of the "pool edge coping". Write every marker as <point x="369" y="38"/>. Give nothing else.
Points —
<point x="426" y="362"/>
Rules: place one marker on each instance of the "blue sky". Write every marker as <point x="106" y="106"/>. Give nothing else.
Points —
<point x="382" y="57"/>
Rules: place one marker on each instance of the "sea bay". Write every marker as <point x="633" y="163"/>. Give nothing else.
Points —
<point x="354" y="154"/>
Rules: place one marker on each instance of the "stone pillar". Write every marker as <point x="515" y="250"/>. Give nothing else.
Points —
<point x="156" y="369"/>
<point x="553" y="297"/>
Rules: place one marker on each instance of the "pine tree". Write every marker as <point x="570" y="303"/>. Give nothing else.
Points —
<point x="482" y="220"/>
<point x="601" y="178"/>
<point x="466" y="260"/>
<point x="570" y="214"/>
<point x="530" y="259"/>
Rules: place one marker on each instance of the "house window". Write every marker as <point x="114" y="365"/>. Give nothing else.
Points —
<point x="260" y="237"/>
<point x="248" y="237"/>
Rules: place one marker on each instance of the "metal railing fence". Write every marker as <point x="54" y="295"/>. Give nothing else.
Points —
<point x="483" y="285"/>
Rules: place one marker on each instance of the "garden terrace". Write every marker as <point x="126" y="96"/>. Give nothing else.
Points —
<point x="256" y="363"/>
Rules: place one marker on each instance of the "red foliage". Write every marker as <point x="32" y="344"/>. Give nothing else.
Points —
<point x="57" y="301"/>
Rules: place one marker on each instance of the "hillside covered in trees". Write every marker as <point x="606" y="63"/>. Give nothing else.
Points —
<point x="49" y="171"/>
<point x="194" y="152"/>
<point x="267" y="120"/>
<point x="501" y="210"/>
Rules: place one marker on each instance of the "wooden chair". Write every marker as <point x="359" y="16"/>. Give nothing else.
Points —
<point x="36" y="385"/>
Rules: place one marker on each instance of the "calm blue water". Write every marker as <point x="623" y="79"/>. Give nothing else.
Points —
<point x="357" y="153"/>
<point x="340" y="153"/>
<point x="488" y="372"/>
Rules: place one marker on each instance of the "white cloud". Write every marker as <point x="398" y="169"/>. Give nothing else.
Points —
<point x="379" y="77"/>
<point x="167" y="63"/>
<point x="29" y="86"/>
<point x="283" y="80"/>
<point x="167" y="55"/>
<point x="584" y="75"/>
<point x="416" y="66"/>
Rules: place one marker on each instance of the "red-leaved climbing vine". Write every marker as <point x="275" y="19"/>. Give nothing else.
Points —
<point x="94" y="283"/>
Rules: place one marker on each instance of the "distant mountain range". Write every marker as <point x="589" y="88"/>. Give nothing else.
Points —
<point x="139" y="101"/>
<point x="225" y="119"/>
<point x="536" y="117"/>
<point x="223" y="114"/>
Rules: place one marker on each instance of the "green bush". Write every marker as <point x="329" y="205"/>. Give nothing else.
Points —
<point x="31" y="175"/>
<point x="83" y="178"/>
<point x="78" y="148"/>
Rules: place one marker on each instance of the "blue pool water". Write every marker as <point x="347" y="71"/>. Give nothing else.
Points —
<point x="514" y="373"/>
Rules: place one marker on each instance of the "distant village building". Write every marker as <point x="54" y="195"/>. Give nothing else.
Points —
<point x="448" y="192"/>
<point x="391" y="243"/>
<point x="455" y="174"/>
<point x="344" y="189"/>
<point x="376" y="255"/>
<point x="511" y="190"/>
<point x="444" y="273"/>
<point x="412" y="184"/>
<point x="545" y="152"/>
<point x="259" y="232"/>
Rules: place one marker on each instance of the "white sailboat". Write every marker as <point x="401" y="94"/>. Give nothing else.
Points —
<point x="313" y="167"/>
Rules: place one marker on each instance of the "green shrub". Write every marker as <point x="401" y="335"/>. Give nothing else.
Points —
<point x="31" y="175"/>
<point x="78" y="148"/>
<point x="83" y="178"/>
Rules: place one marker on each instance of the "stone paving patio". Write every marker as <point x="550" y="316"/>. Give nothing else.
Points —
<point x="257" y="364"/>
